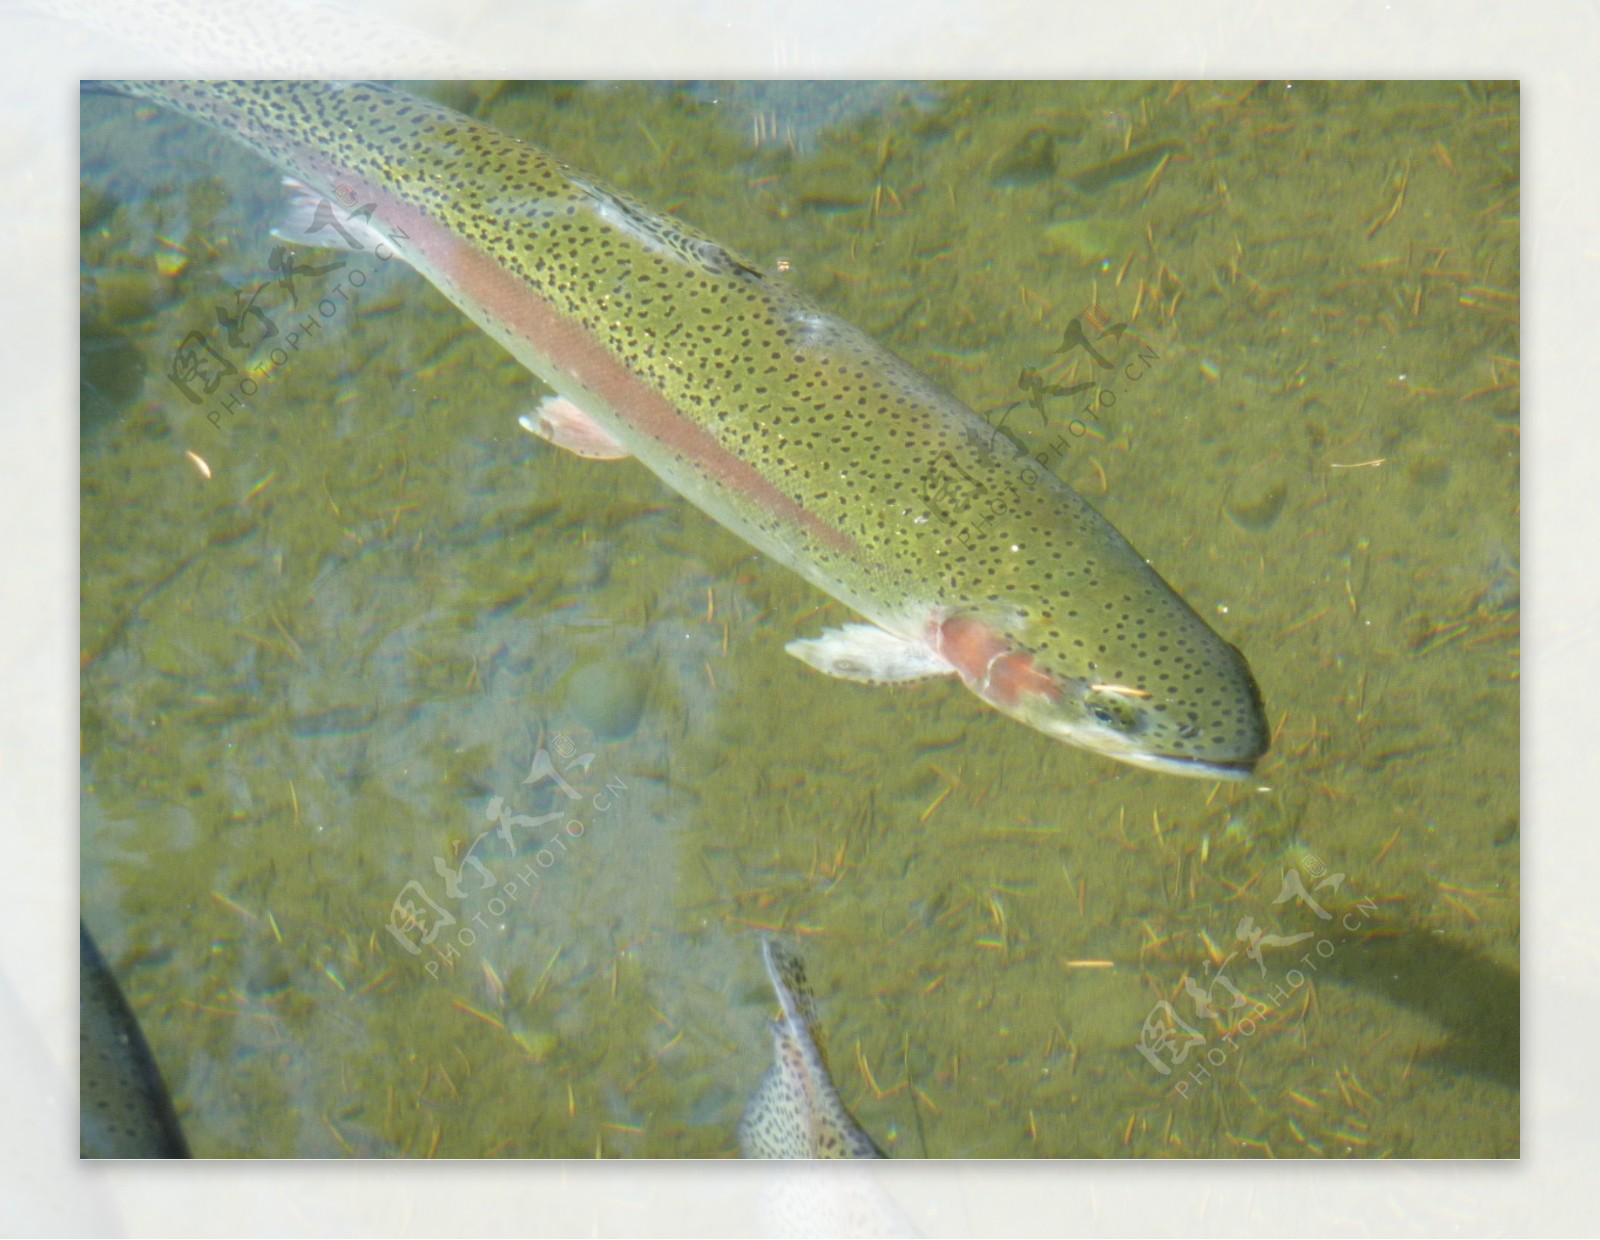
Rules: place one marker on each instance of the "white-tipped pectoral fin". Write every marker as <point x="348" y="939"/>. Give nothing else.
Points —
<point x="869" y="654"/>
<point x="562" y="423"/>
<point x="313" y="219"/>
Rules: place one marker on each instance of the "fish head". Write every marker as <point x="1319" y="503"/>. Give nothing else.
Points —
<point x="1141" y="680"/>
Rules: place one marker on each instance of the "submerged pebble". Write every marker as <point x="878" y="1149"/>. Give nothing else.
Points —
<point x="1088" y="240"/>
<point x="110" y="374"/>
<point x="127" y="294"/>
<point x="95" y="205"/>
<point x="1031" y="160"/>
<point x="1258" y="503"/>
<point x="608" y="697"/>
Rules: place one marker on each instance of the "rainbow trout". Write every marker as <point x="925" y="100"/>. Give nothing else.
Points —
<point x="124" y="1110"/>
<point x="790" y="427"/>
<point x="796" y="1112"/>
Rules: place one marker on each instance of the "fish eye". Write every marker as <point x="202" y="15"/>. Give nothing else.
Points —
<point x="1112" y="710"/>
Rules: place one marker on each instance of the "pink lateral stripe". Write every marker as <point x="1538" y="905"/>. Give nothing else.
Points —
<point x="506" y="299"/>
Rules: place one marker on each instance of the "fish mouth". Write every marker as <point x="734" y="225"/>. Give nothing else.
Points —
<point x="1194" y="768"/>
<point x="1126" y="749"/>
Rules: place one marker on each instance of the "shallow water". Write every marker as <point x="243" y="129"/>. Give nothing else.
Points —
<point x="307" y="676"/>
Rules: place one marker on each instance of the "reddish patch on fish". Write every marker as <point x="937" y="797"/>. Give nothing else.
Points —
<point x="509" y="302"/>
<point x="989" y="664"/>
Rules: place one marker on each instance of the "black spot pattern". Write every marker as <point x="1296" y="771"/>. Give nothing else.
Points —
<point x="796" y="1112"/>
<point x="854" y="437"/>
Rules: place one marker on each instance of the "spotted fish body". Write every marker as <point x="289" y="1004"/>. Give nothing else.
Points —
<point x="796" y="1112"/>
<point x="787" y="425"/>
<point x="124" y="1110"/>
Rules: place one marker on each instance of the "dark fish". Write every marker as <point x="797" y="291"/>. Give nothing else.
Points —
<point x="124" y="1110"/>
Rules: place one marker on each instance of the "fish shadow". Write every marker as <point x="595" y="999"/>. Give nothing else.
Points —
<point x="1475" y="1000"/>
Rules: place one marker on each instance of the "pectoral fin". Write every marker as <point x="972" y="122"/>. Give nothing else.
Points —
<point x="314" y="219"/>
<point x="562" y="423"/>
<point x="869" y="654"/>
